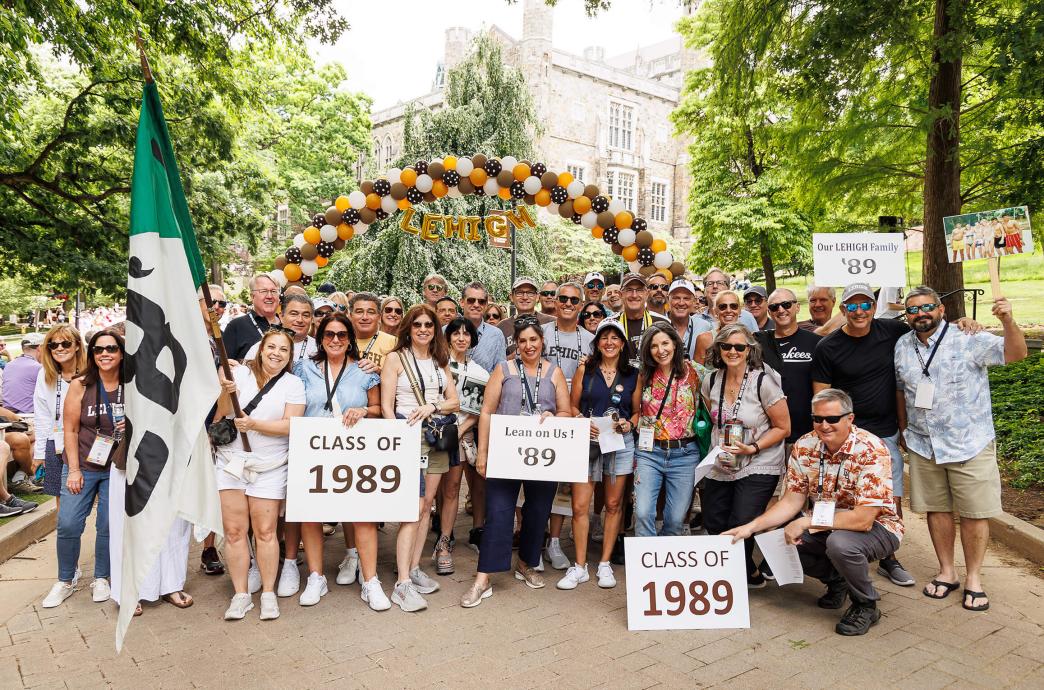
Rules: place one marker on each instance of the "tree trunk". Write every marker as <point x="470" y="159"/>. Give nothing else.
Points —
<point x="942" y="175"/>
<point x="766" y="265"/>
<point x="215" y="273"/>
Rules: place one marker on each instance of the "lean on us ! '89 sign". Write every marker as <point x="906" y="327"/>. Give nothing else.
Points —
<point x="524" y="447"/>
<point x="686" y="583"/>
<point x="368" y="473"/>
<point x="841" y="259"/>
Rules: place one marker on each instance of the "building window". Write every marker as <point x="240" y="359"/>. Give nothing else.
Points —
<point x="621" y="126"/>
<point x="376" y="152"/>
<point x="658" y="205"/>
<point x="387" y="152"/>
<point x="282" y="219"/>
<point x="579" y="172"/>
<point x="620" y="186"/>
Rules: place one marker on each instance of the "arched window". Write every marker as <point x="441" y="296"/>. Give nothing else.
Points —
<point x="377" y="152"/>
<point x="387" y="152"/>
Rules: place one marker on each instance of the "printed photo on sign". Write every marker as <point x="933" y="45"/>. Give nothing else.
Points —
<point x="878" y="259"/>
<point x="553" y="450"/>
<point x="368" y="473"/>
<point x="685" y="583"/>
<point x="472" y="395"/>
<point x="988" y="234"/>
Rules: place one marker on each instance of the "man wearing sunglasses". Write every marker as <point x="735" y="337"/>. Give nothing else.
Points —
<point x="547" y="298"/>
<point x="524" y="296"/>
<point x="20" y="376"/>
<point x="491" y="346"/>
<point x="565" y="343"/>
<point x="714" y="281"/>
<point x="243" y="331"/>
<point x="839" y="484"/>
<point x="681" y="298"/>
<point x="635" y="317"/>
<point x="434" y="288"/>
<point x="755" y="300"/>
<point x="947" y="427"/>
<point x="656" y="302"/>
<point x="594" y="286"/>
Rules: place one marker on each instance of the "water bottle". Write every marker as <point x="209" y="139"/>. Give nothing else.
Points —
<point x="117" y="417"/>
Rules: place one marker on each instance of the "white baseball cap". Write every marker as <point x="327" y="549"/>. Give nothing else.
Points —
<point x="682" y="284"/>
<point x="594" y="275"/>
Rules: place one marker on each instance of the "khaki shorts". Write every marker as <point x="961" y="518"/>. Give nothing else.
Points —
<point x="971" y="489"/>
<point x="438" y="460"/>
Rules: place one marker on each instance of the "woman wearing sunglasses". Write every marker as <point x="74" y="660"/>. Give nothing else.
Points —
<point x="493" y="315"/>
<point x="592" y="314"/>
<point x="750" y="422"/>
<point x="63" y="356"/>
<point x="725" y="310"/>
<point x="391" y="315"/>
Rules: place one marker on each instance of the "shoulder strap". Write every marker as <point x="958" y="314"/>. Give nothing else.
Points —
<point x="761" y="377"/>
<point x="412" y="379"/>
<point x="261" y="393"/>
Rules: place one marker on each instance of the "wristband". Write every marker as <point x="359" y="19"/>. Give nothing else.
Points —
<point x="757" y="448"/>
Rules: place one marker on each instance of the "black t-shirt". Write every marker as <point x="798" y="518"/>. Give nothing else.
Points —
<point x="792" y="358"/>
<point x="865" y="369"/>
<point x="242" y="332"/>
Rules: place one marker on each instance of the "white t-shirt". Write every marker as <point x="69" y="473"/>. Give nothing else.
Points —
<point x="566" y="349"/>
<point x="289" y="390"/>
<point x="303" y="349"/>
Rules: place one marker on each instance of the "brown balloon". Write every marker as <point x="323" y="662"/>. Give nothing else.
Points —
<point x="465" y="186"/>
<point x="366" y="187"/>
<point x="338" y="244"/>
<point x="505" y="178"/>
<point x="280" y="263"/>
<point x="678" y="269"/>
<point x="606" y="220"/>
<point x="648" y="270"/>
<point x="529" y="199"/>
<point x="429" y="197"/>
<point x="479" y="160"/>
<point x="591" y="191"/>
<point x="548" y="180"/>
<point x="295" y="283"/>
<point x="617" y="248"/>
<point x="436" y="170"/>
<point x="367" y="215"/>
<point x="643" y="239"/>
<point x="565" y="209"/>
<point x="398" y="191"/>
<point x="333" y="216"/>
<point x="308" y="251"/>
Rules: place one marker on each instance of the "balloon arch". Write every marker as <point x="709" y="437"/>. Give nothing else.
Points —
<point x="453" y="176"/>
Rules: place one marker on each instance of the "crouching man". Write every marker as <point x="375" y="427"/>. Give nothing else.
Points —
<point x="839" y="480"/>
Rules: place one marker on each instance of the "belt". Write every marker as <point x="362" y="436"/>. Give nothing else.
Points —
<point x="675" y="443"/>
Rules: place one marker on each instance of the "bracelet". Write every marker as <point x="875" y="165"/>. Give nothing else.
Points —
<point x="757" y="448"/>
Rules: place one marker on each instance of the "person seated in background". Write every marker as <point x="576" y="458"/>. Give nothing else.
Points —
<point x="10" y="505"/>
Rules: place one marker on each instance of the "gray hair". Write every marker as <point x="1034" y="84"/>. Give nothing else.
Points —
<point x="213" y="288"/>
<point x="475" y="285"/>
<point x="364" y="297"/>
<point x="575" y="286"/>
<point x="296" y="297"/>
<point x="436" y="276"/>
<point x="834" y="395"/>
<point x="923" y="291"/>
<point x="388" y="300"/>
<point x="832" y="292"/>
<point x="253" y="281"/>
<point x="715" y="269"/>
<point x="754" y="358"/>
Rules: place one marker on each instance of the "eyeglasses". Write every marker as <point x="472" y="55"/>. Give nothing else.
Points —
<point x="493" y="317"/>
<point x="565" y="299"/>
<point x="547" y="293"/>
<point x="220" y="303"/>
<point x="828" y="418"/>
<point x="702" y="300"/>
<point x="393" y="310"/>
<point x="852" y="308"/>
<point x="475" y="300"/>
<point x="526" y="293"/>
<point x="661" y="288"/>
<point x="634" y="290"/>
<point x="594" y="285"/>
<point x="729" y="347"/>
<point x="753" y="299"/>
<point x="63" y="344"/>
<point x="931" y="306"/>
<point x="712" y="283"/>
<point x="335" y="335"/>
<point x="591" y="314"/>
<point x="785" y="304"/>
<point x="266" y="293"/>
<point x="422" y="324"/>
<point x="435" y="287"/>
<point x="731" y="306"/>
<point x="111" y="349"/>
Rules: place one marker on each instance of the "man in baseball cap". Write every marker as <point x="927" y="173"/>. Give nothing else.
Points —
<point x="635" y="317"/>
<point x="320" y="308"/>
<point x="755" y="299"/>
<point x="524" y="297"/>
<point x="681" y="298"/>
<point x="594" y="286"/>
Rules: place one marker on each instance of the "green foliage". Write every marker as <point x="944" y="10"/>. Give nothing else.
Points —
<point x="18" y="297"/>
<point x="1018" y="416"/>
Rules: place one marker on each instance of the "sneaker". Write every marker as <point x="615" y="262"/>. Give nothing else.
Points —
<point x="7" y="511"/>
<point x="253" y="578"/>
<point x="241" y="603"/>
<point x="314" y="590"/>
<point x="540" y="564"/>
<point x="606" y="579"/>
<point x="60" y="591"/>
<point x="556" y="555"/>
<point x="24" y="486"/>
<point x="422" y="582"/>
<point x="269" y="606"/>
<point x="835" y="595"/>
<point x="289" y="580"/>
<point x="408" y="598"/>
<point x="756" y="581"/>
<point x="474" y="596"/>
<point x="100" y="590"/>
<point x="373" y="594"/>
<point x="210" y="562"/>
<point x="443" y="556"/>
<point x="532" y="578"/>
<point x="892" y="569"/>
<point x="766" y="571"/>
<point x="475" y="538"/>
<point x="348" y="570"/>
<point x="15" y="502"/>
<point x="597" y="531"/>
<point x="858" y="619"/>
<point x="576" y="575"/>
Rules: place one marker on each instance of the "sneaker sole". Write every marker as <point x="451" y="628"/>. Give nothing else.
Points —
<point x="239" y="618"/>
<point x="857" y="633"/>
<point x="425" y="590"/>
<point x="518" y="576"/>
<point x="375" y="608"/>
<point x="610" y="586"/>
<point x="485" y="595"/>
<point x="902" y="583"/>
<point x="399" y="603"/>
<point x="763" y="585"/>
<point x="45" y="605"/>
<point x="206" y="571"/>
<point x="322" y="593"/>
<point x="559" y="585"/>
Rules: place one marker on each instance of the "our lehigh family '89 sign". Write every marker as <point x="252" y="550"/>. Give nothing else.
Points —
<point x="368" y="473"/>
<point x="553" y="450"/>
<point x="841" y="259"/>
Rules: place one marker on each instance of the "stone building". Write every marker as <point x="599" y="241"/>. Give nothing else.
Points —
<point x="611" y="125"/>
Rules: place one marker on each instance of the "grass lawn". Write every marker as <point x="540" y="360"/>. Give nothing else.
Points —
<point x="1022" y="279"/>
<point x="36" y="498"/>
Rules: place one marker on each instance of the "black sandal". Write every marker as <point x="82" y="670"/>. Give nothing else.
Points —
<point x="948" y="587"/>
<point x="974" y="596"/>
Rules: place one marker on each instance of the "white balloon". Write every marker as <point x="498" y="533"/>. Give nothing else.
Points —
<point x="357" y="199"/>
<point x="633" y="266"/>
<point x="616" y="206"/>
<point x="532" y="184"/>
<point x="454" y="193"/>
<point x="394" y="175"/>
<point x="389" y="205"/>
<point x="465" y="166"/>
<point x="491" y="187"/>
<point x="309" y="267"/>
<point x="663" y="259"/>
<point x="509" y="162"/>
<point x="328" y="233"/>
<point x="299" y="240"/>
<point x="279" y="277"/>
<point x="360" y="228"/>
<point x="589" y="219"/>
<point x="575" y="189"/>
<point x="625" y="238"/>
<point x="424" y="183"/>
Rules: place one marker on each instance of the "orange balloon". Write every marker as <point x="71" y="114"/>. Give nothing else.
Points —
<point x="630" y="253"/>
<point x="321" y="261"/>
<point x="504" y="193"/>
<point x="666" y="273"/>
<point x="439" y="189"/>
<point x="623" y="219"/>
<point x="292" y="272"/>
<point x="478" y="177"/>
<point x="404" y="204"/>
<point x="581" y="205"/>
<point x="564" y="179"/>
<point x="597" y="232"/>
<point x="543" y="198"/>
<point x="657" y="245"/>
<point x="345" y="231"/>
<point x="408" y="177"/>
<point x="521" y="172"/>
<point x="373" y="202"/>
<point x="312" y="235"/>
<point x="341" y="203"/>
<point x="450" y="162"/>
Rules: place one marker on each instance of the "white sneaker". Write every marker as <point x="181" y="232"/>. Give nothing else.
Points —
<point x="289" y="580"/>
<point x="408" y="598"/>
<point x="574" y="576"/>
<point x="100" y="590"/>
<point x="606" y="579"/>
<point x="76" y="577"/>
<point x="314" y="590"/>
<point x="556" y="555"/>
<point x="373" y="594"/>
<point x="540" y="564"/>
<point x="349" y="568"/>
<point x="60" y="591"/>
<point x="423" y="582"/>
<point x="597" y="532"/>
<point x="241" y="603"/>
<point x="269" y="606"/>
<point x="253" y="578"/>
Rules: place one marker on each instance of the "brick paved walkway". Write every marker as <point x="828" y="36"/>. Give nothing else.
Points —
<point x="521" y="638"/>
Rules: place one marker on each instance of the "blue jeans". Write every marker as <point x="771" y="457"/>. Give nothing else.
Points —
<point x="673" y="468"/>
<point x="72" y="517"/>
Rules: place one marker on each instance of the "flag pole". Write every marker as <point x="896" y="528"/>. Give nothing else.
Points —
<point x="212" y="321"/>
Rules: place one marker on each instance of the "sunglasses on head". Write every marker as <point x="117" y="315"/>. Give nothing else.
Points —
<point x="526" y="321"/>
<point x="63" y="344"/>
<point x="335" y="335"/>
<point x="565" y="299"/>
<point x="547" y="293"/>
<point x="753" y="299"/>
<point x="475" y="300"/>
<point x="729" y="347"/>
<point x="852" y="308"/>
<point x="828" y="418"/>
<point x="731" y="306"/>
<point x="931" y="306"/>
<point x="594" y="285"/>
<point x="111" y="349"/>
<point x="393" y="310"/>
<point x="435" y="287"/>
<point x="785" y="304"/>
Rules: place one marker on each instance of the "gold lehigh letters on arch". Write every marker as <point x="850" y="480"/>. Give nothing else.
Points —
<point x="434" y="226"/>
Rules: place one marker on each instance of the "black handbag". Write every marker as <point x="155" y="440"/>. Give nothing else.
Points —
<point x="224" y="431"/>
<point x="440" y="432"/>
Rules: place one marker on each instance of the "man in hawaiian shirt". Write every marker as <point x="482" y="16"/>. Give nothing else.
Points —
<point x="840" y="481"/>
<point x="946" y="425"/>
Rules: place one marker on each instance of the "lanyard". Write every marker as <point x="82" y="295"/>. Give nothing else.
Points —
<point x="331" y="391"/>
<point x="931" y="355"/>
<point x="646" y="322"/>
<point x="585" y="395"/>
<point x="688" y="340"/>
<point x="253" y="320"/>
<point x="734" y="415"/>
<point x="369" y="346"/>
<point x="101" y="395"/>
<point x="304" y="349"/>
<point x="528" y="399"/>
<point x="58" y="398"/>
<point x="822" y="469"/>
<point x="558" y="349"/>
<point x="462" y="369"/>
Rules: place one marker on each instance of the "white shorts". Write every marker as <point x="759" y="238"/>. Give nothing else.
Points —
<point x="270" y="484"/>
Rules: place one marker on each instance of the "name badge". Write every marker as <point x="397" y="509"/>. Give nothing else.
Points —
<point x="925" y="394"/>
<point x="57" y="428"/>
<point x="823" y="514"/>
<point x="424" y="462"/>
<point x="101" y="449"/>
<point x="645" y="438"/>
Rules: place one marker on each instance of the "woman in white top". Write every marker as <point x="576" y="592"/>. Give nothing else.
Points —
<point x="726" y="310"/>
<point x="62" y="355"/>
<point x="253" y="485"/>
<point x="422" y="347"/>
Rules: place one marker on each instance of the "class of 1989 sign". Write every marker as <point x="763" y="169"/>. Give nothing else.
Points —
<point x="841" y="259"/>
<point x="553" y="450"/>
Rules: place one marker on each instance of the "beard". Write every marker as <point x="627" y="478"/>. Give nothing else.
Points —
<point x="924" y="324"/>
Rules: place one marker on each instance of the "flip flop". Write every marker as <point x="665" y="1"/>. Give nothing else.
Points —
<point x="974" y="596"/>
<point x="949" y="587"/>
<point x="183" y="600"/>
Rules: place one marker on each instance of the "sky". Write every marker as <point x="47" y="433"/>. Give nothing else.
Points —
<point x="393" y="46"/>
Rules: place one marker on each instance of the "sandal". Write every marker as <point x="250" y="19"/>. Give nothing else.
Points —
<point x="974" y="596"/>
<point x="443" y="556"/>
<point x="180" y="599"/>
<point x="947" y="588"/>
<point x="137" y="609"/>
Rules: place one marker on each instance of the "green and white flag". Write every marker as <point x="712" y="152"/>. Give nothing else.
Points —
<point x="171" y="383"/>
